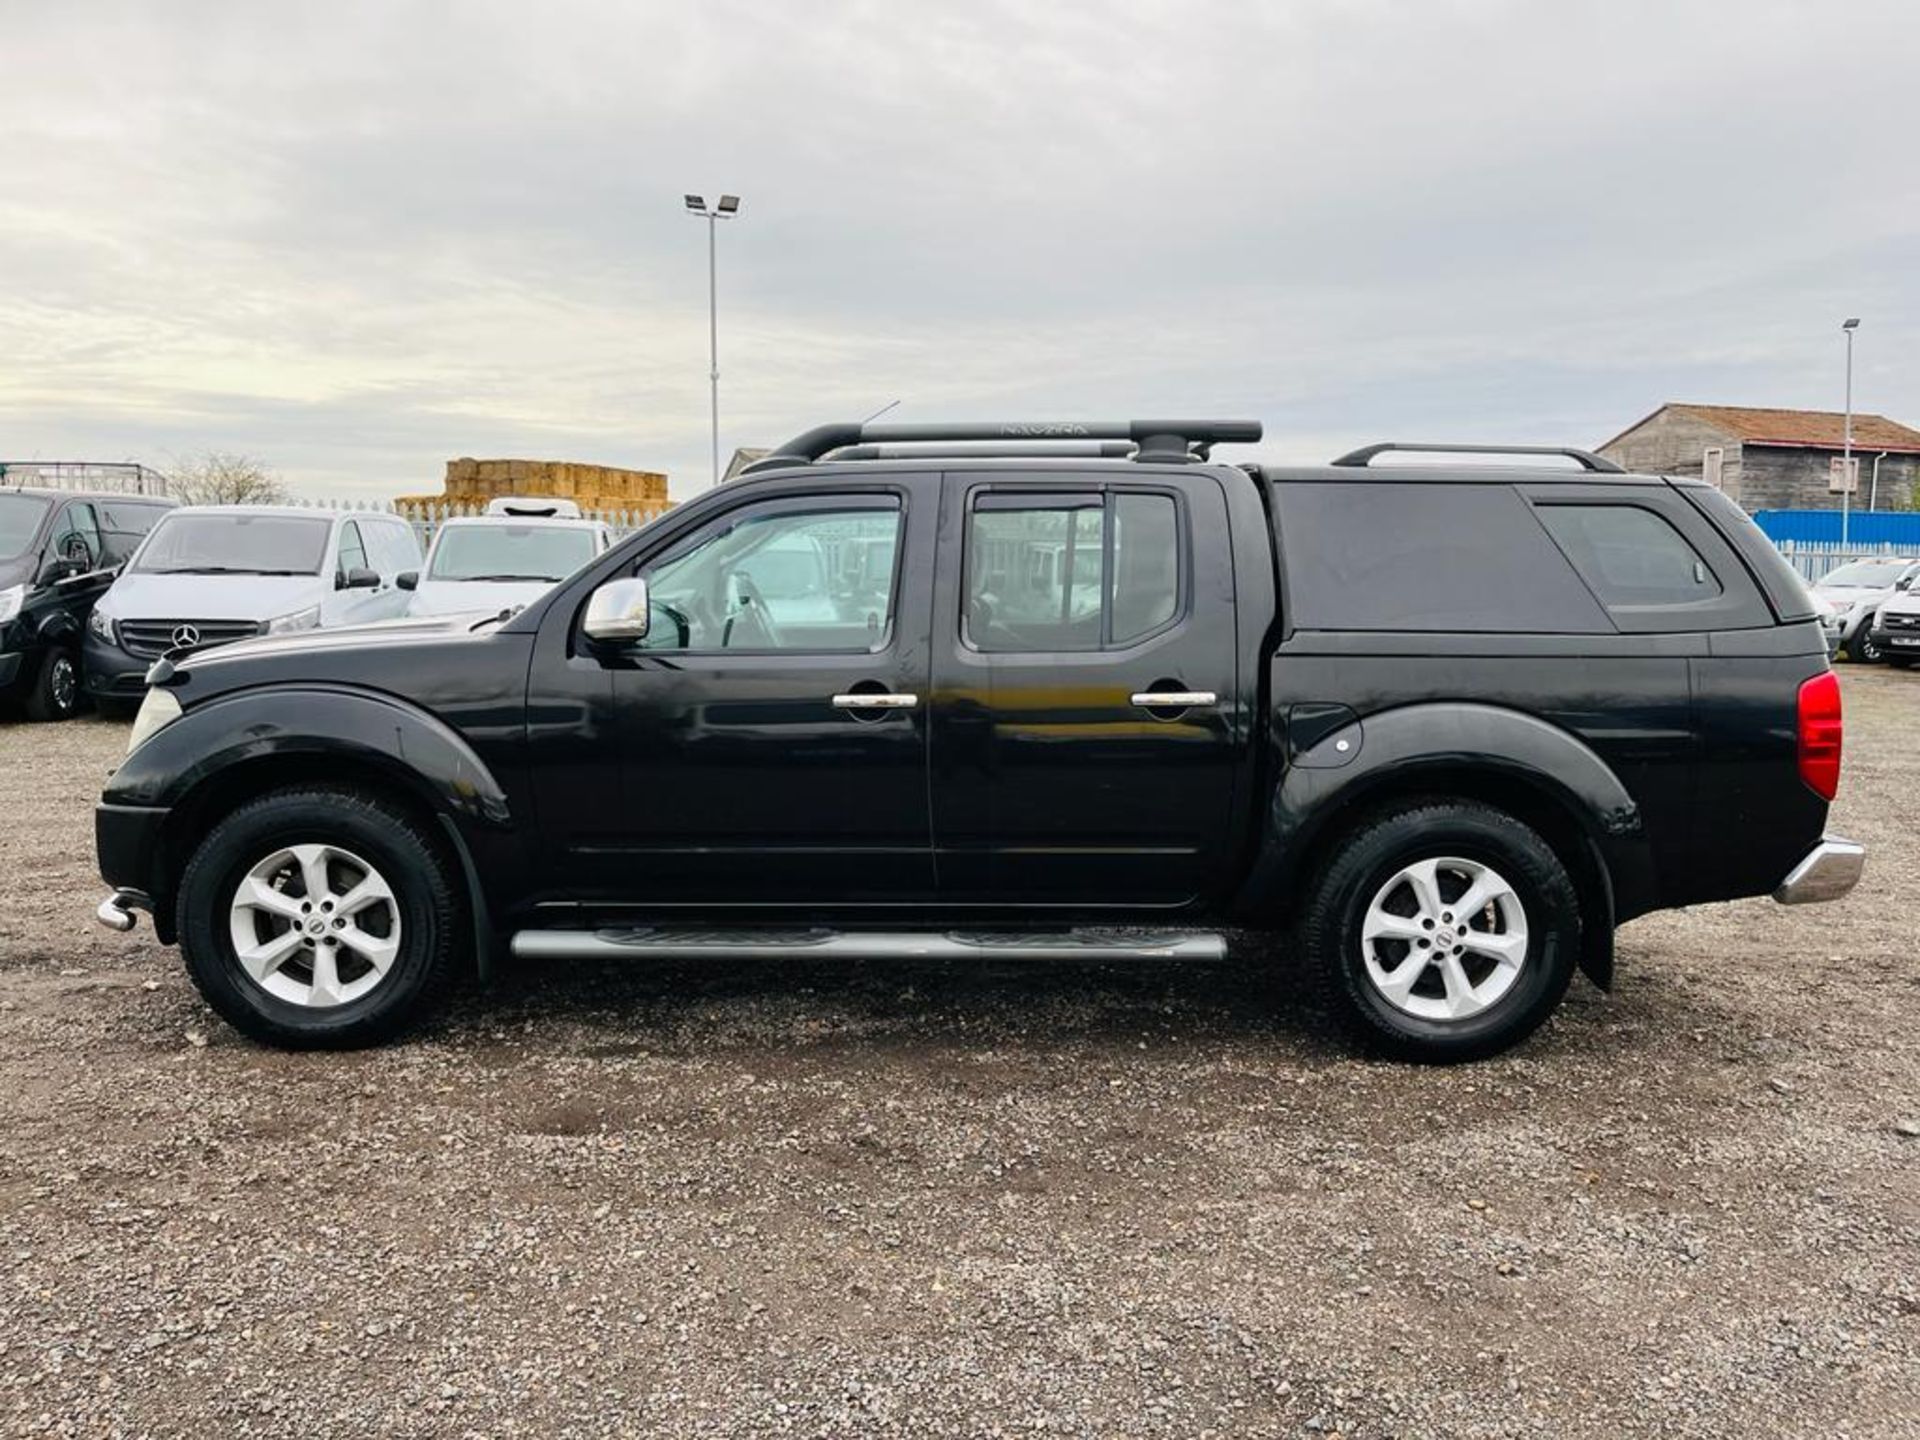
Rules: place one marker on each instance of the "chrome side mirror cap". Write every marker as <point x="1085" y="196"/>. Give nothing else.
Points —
<point x="617" y="611"/>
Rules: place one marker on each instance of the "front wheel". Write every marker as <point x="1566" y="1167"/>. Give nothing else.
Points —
<point x="1861" y="649"/>
<point x="56" y="689"/>
<point x="319" y="918"/>
<point x="1443" y="932"/>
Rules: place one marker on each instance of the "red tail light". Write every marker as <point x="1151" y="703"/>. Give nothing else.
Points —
<point x="1820" y="734"/>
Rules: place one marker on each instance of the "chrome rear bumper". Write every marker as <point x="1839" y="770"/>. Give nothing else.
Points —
<point x="1827" y="872"/>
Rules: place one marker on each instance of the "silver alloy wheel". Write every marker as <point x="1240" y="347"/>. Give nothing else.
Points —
<point x="315" y="925"/>
<point x="64" y="684"/>
<point x="1444" y="938"/>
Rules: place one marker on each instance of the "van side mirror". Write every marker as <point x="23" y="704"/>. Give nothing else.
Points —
<point x="358" y="578"/>
<point x="617" y="611"/>
<point x="407" y="579"/>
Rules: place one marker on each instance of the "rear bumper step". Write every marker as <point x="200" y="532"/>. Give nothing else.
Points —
<point x="1827" y="872"/>
<point x="689" y="944"/>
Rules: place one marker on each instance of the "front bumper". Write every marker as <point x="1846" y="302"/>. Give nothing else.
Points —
<point x="110" y="673"/>
<point x="1826" y="872"/>
<point x="1899" y="642"/>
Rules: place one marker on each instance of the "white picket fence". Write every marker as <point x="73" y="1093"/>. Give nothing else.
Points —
<point x="1815" y="559"/>
<point x="426" y="519"/>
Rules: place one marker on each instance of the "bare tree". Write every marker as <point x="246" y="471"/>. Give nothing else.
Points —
<point x="220" y="477"/>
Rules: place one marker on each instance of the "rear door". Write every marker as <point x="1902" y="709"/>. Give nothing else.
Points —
<point x="1066" y="603"/>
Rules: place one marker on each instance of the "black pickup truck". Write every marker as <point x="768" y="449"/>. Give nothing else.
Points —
<point x="1041" y="690"/>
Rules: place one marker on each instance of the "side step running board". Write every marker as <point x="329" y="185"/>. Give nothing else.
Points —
<point x="689" y="944"/>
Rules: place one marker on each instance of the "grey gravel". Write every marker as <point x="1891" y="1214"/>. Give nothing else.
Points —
<point x="918" y="1200"/>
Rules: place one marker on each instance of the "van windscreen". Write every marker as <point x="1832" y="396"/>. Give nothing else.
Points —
<point x="20" y="517"/>
<point x="214" y="544"/>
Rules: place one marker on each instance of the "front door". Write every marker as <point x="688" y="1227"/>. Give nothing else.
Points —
<point x="1087" y="707"/>
<point x="769" y="734"/>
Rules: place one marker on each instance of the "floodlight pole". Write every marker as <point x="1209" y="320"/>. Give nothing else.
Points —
<point x="726" y="209"/>
<point x="713" y="335"/>
<point x="1846" y="437"/>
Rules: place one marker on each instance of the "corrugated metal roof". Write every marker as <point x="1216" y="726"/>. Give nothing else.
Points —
<point x="1819" y="429"/>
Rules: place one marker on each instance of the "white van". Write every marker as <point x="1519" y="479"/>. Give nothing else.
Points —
<point x="209" y="574"/>
<point x="495" y="562"/>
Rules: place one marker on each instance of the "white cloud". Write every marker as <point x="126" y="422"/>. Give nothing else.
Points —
<point x="360" y="239"/>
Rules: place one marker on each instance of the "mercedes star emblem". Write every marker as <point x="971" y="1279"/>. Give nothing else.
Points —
<point x="185" y="637"/>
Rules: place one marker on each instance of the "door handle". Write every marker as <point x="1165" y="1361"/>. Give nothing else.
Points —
<point x="875" y="700"/>
<point x="1174" y="699"/>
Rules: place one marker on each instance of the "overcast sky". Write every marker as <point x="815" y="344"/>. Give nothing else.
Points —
<point x="356" y="240"/>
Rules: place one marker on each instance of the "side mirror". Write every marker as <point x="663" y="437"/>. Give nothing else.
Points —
<point x="358" y="578"/>
<point x="617" y="611"/>
<point x="61" y="567"/>
<point x="407" y="579"/>
<point x="1905" y="582"/>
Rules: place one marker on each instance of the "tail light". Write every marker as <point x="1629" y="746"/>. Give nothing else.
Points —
<point x="1819" y="732"/>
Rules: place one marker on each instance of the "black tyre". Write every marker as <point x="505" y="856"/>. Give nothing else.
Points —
<point x="56" y="689"/>
<point x="316" y="918"/>
<point x="1861" y="649"/>
<point x="1442" y="932"/>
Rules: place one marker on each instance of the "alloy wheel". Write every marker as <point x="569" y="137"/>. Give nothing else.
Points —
<point x="315" y="925"/>
<point x="63" y="685"/>
<point x="1444" y="939"/>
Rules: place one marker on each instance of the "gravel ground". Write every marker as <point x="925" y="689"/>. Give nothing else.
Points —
<point x="928" y="1201"/>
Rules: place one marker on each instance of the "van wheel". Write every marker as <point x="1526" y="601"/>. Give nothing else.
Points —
<point x="1443" y="932"/>
<point x="56" y="689"/>
<point x="320" y="919"/>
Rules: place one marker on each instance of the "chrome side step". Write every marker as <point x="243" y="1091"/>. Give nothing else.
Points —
<point x="692" y="944"/>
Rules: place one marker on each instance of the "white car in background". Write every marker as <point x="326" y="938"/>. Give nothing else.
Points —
<point x="209" y="574"/>
<point x="1852" y="593"/>
<point x="500" y="562"/>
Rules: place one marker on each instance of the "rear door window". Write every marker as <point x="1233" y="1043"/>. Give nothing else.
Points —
<point x="1090" y="570"/>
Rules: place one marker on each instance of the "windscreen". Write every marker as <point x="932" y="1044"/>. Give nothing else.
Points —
<point x="20" y="517"/>
<point x="1867" y="574"/>
<point x="208" y="544"/>
<point x="510" y="552"/>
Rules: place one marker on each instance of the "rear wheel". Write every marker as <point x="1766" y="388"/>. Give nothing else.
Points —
<point x="1446" y="931"/>
<point x="56" y="689"/>
<point x="320" y="918"/>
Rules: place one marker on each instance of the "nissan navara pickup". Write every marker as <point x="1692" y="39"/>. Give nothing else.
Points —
<point x="1037" y="690"/>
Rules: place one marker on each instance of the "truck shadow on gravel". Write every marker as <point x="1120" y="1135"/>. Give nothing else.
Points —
<point x="614" y="1009"/>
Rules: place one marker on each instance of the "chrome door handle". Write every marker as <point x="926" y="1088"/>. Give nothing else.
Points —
<point x="876" y="700"/>
<point x="1174" y="699"/>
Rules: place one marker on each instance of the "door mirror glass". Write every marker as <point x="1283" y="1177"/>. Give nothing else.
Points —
<point x="617" y="612"/>
<point x="358" y="578"/>
<point x="407" y="579"/>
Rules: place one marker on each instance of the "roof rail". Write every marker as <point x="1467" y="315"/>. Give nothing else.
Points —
<point x="1071" y="450"/>
<point x="1165" y="441"/>
<point x="1363" y="457"/>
